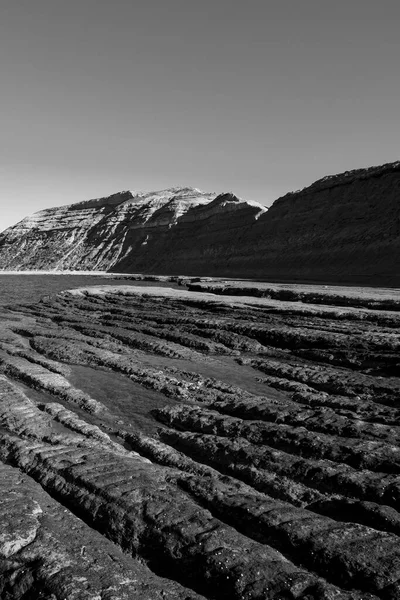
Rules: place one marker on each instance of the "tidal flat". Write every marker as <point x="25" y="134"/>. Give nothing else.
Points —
<point x="218" y="440"/>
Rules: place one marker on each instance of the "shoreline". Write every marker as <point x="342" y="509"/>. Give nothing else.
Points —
<point x="217" y="279"/>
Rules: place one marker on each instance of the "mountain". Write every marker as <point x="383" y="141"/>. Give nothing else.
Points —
<point x="96" y="234"/>
<point x="202" y="240"/>
<point x="342" y="229"/>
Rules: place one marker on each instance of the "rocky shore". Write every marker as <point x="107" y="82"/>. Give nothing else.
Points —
<point x="207" y="443"/>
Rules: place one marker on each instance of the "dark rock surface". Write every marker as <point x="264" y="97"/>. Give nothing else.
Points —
<point x="341" y="229"/>
<point x="46" y="552"/>
<point x="159" y="443"/>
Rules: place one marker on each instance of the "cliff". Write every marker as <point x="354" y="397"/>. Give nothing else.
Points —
<point x="343" y="228"/>
<point x="203" y="240"/>
<point x="96" y="234"/>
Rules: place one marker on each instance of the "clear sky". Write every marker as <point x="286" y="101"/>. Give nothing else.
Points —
<point x="258" y="97"/>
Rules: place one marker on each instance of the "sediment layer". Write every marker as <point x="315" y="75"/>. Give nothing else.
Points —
<point x="159" y="443"/>
<point x="341" y="229"/>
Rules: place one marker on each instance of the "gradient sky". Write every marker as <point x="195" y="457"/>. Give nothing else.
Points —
<point x="258" y="97"/>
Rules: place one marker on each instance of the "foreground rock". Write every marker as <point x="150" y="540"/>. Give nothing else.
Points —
<point x="46" y="552"/>
<point x="240" y="447"/>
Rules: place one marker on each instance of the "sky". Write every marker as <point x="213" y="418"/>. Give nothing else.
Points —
<point x="259" y="97"/>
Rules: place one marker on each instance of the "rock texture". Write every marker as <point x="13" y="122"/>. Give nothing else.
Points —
<point x="160" y="443"/>
<point x="344" y="228"/>
<point x="97" y="234"/>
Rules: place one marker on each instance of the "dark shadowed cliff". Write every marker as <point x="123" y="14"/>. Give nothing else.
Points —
<point x="344" y="228"/>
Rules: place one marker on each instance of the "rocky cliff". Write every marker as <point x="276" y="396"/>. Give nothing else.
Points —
<point x="97" y="234"/>
<point x="342" y="228"/>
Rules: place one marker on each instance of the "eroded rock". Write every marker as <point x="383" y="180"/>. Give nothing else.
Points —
<point x="224" y="453"/>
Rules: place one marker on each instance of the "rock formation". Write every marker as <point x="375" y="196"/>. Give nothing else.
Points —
<point x="176" y="445"/>
<point x="341" y="229"/>
<point x="97" y="234"/>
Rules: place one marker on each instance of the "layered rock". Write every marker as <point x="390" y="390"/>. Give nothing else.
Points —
<point x="203" y="240"/>
<point x="174" y="230"/>
<point x="94" y="235"/>
<point x="241" y="447"/>
<point x="342" y="228"/>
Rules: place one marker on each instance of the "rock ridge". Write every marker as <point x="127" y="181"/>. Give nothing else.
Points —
<point x="330" y="181"/>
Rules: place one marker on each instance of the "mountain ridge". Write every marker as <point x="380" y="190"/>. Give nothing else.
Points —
<point x="342" y="228"/>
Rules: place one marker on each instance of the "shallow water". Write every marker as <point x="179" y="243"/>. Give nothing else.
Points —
<point x="223" y="368"/>
<point x="15" y="289"/>
<point x="23" y="288"/>
<point x="122" y="396"/>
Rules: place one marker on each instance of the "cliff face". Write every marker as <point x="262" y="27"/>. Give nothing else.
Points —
<point x="344" y="228"/>
<point x="203" y="240"/>
<point x="93" y="235"/>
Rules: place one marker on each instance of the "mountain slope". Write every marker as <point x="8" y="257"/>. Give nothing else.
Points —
<point x="203" y="240"/>
<point x="91" y="235"/>
<point x="343" y="228"/>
